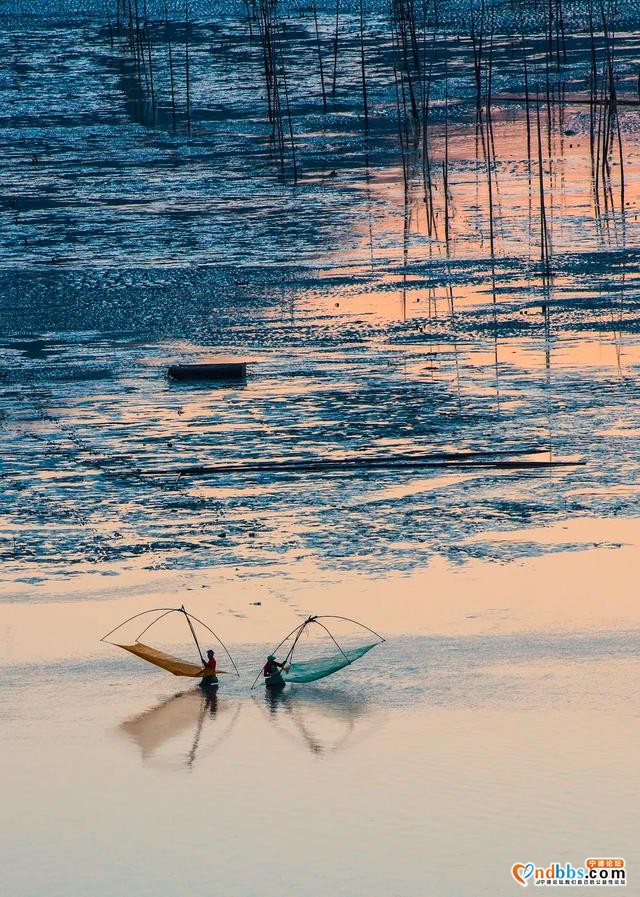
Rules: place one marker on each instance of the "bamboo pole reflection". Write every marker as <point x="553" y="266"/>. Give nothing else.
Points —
<point x="175" y="732"/>
<point x="324" y="721"/>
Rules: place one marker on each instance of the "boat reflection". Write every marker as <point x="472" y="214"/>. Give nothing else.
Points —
<point x="178" y="731"/>
<point x="324" y="720"/>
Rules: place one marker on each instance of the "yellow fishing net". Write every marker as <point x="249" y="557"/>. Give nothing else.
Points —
<point x="167" y="661"/>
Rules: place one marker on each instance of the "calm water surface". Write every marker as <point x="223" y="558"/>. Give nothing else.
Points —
<point x="336" y="789"/>
<point x="499" y="722"/>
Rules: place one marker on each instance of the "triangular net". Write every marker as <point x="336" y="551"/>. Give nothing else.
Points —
<point x="318" y="668"/>
<point x="165" y="661"/>
<point x="162" y="659"/>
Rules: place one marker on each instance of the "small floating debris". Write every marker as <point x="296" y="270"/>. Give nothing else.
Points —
<point x="218" y="370"/>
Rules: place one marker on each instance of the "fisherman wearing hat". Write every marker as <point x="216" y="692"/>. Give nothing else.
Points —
<point x="271" y="671"/>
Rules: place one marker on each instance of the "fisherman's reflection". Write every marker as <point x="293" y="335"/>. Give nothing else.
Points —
<point x="324" y="720"/>
<point x="276" y="697"/>
<point x="210" y="696"/>
<point x="177" y="731"/>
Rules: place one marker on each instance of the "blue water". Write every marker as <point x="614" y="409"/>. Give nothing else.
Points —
<point x="127" y="244"/>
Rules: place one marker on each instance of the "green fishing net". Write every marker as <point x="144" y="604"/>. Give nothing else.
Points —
<point x="318" y="668"/>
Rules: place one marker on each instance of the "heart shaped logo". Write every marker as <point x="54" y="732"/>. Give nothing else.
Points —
<point x="522" y="873"/>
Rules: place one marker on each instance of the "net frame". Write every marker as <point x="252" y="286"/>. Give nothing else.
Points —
<point x="164" y="612"/>
<point x="295" y="634"/>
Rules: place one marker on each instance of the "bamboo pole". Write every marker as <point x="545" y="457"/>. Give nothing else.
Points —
<point x="314" y="9"/>
<point x="193" y="633"/>
<point x="363" y="73"/>
<point x="186" y="65"/>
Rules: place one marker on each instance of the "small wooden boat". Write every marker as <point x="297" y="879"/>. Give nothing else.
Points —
<point x="219" y="370"/>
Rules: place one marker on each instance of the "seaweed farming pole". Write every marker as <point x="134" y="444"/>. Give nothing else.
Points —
<point x="363" y="74"/>
<point x="401" y="110"/>
<point x="172" y="85"/>
<point x="425" y="84"/>
<point x="593" y="81"/>
<point x="135" y="43"/>
<point x="526" y="87"/>
<point x="445" y="164"/>
<point x="404" y="31"/>
<point x="186" y="65"/>
<point x="250" y="16"/>
<point x="109" y="24"/>
<point x="547" y="70"/>
<point x="477" y="42"/>
<point x="335" y="49"/>
<point x="490" y="150"/>
<point x="611" y="87"/>
<point x="140" y="47"/>
<point x="599" y="138"/>
<point x="550" y="33"/>
<point x="489" y="68"/>
<point x="612" y="97"/>
<point x="148" y="42"/>
<point x="544" y="234"/>
<point x="320" y="63"/>
<point x="288" y="110"/>
<point x="132" y="46"/>
<point x="614" y="131"/>
<point x="621" y="159"/>
<point x="402" y="136"/>
<point x="427" y="73"/>
<point x="275" y="75"/>
<point x="560" y="20"/>
<point x="267" y="56"/>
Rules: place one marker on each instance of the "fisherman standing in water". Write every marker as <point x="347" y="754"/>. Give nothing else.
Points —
<point x="210" y="678"/>
<point x="271" y="671"/>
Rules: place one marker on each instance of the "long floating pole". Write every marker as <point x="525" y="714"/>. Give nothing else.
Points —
<point x="395" y="463"/>
<point x="417" y="459"/>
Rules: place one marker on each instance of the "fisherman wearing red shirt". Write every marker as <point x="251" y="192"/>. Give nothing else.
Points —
<point x="211" y="678"/>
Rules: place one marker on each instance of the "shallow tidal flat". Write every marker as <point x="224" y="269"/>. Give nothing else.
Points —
<point x="498" y="723"/>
